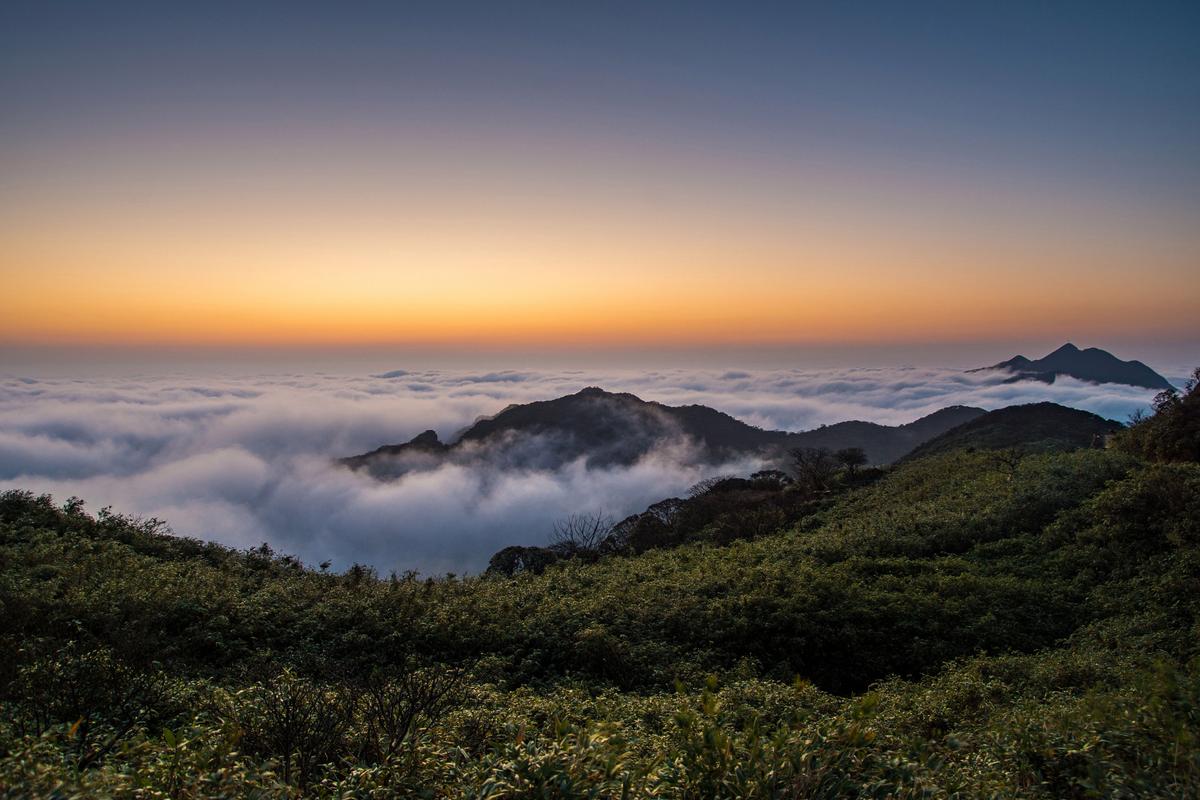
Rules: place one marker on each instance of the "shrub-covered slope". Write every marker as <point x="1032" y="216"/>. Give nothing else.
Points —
<point x="966" y="626"/>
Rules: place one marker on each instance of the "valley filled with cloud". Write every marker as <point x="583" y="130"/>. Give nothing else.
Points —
<point x="252" y="459"/>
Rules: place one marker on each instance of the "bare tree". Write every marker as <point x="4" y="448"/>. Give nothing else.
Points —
<point x="580" y="535"/>
<point x="814" y="467"/>
<point x="298" y="721"/>
<point x="397" y="707"/>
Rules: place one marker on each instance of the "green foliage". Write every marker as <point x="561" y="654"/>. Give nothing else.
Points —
<point x="1172" y="433"/>
<point x="972" y="624"/>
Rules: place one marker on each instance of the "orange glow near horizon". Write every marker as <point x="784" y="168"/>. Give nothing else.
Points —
<point x="148" y="252"/>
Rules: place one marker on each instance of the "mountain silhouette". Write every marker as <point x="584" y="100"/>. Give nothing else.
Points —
<point x="617" y="429"/>
<point x="1093" y="365"/>
<point x="1036" y="427"/>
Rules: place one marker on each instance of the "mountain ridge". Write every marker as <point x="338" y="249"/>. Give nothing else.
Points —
<point x="610" y="428"/>
<point x="1092" y="364"/>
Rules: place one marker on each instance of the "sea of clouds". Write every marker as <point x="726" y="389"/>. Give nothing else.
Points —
<point x="245" y="460"/>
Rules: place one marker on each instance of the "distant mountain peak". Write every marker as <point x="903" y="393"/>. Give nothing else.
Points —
<point x="426" y="439"/>
<point x="1093" y="365"/>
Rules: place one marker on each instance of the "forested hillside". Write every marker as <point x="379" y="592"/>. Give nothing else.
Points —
<point x="1031" y="427"/>
<point x="971" y="624"/>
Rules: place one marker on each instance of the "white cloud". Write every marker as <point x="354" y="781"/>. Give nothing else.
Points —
<point x="244" y="460"/>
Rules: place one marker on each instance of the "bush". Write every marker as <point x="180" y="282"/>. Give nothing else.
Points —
<point x="1172" y="432"/>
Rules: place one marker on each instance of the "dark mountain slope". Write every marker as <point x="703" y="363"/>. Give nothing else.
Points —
<point x="884" y="444"/>
<point x="609" y="429"/>
<point x="1036" y="426"/>
<point x="424" y="447"/>
<point x="1093" y="364"/>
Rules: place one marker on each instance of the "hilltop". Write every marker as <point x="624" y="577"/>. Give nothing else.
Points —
<point x="1033" y="426"/>
<point x="607" y="428"/>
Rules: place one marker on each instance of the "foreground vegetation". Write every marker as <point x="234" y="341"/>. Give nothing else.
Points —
<point x="971" y="624"/>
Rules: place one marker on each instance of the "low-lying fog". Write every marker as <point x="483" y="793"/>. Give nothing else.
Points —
<point x="250" y="460"/>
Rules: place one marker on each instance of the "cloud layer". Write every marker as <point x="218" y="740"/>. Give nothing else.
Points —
<point x="245" y="460"/>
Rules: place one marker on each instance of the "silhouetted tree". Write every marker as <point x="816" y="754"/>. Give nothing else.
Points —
<point x="359" y="574"/>
<point x="654" y="527"/>
<point x="516" y="559"/>
<point x="580" y="535"/>
<point x="666" y="511"/>
<point x="814" y="467"/>
<point x="851" y="458"/>
<point x="707" y="485"/>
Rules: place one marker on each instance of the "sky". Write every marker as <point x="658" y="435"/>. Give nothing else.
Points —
<point x="498" y="178"/>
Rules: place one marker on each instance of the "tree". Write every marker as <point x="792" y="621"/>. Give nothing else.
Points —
<point x="301" y="723"/>
<point x="748" y="523"/>
<point x="654" y="527"/>
<point x="104" y="700"/>
<point x="396" y="707"/>
<point x="707" y="485"/>
<point x="580" y="535"/>
<point x="1008" y="459"/>
<point x="515" y="559"/>
<point x="1172" y="432"/>
<point x="851" y="458"/>
<point x="666" y="511"/>
<point x="814" y="467"/>
<point x="771" y="478"/>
